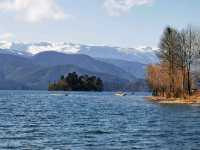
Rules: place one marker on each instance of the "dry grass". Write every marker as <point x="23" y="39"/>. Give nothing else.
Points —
<point x="194" y="99"/>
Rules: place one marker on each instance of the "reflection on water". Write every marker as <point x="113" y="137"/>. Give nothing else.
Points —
<point x="48" y="120"/>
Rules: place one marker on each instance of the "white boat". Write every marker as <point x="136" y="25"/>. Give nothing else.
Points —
<point x="120" y="94"/>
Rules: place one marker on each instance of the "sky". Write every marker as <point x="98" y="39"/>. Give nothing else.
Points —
<point x="125" y="23"/>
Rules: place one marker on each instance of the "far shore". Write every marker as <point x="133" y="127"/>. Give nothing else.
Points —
<point x="194" y="99"/>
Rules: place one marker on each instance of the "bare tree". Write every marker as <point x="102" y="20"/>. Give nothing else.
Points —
<point x="168" y="49"/>
<point x="191" y="50"/>
<point x="182" y="59"/>
<point x="178" y="51"/>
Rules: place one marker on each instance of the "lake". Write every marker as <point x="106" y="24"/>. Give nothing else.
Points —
<point x="38" y="120"/>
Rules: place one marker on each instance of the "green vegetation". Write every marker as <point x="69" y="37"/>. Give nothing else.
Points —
<point x="73" y="82"/>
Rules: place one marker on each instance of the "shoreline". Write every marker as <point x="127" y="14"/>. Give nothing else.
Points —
<point x="163" y="100"/>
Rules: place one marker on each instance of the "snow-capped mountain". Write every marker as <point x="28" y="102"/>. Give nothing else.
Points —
<point x="143" y="55"/>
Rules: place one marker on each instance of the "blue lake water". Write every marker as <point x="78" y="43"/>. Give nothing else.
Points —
<point x="38" y="120"/>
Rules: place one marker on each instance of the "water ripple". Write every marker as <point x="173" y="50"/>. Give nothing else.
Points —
<point x="38" y="120"/>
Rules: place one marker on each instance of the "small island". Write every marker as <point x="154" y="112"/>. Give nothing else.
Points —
<point x="175" y="80"/>
<point x="74" y="82"/>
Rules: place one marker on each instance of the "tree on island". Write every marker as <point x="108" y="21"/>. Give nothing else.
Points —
<point x="73" y="82"/>
<point x="178" y="50"/>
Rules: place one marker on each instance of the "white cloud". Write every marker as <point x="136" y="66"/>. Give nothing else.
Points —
<point x="6" y="36"/>
<point x="5" y="44"/>
<point x="33" y="10"/>
<point x="119" y="7"/>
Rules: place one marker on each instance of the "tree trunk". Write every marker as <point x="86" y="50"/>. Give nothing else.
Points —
<point x="183" y="82"/>
<point x="188" y="79"/>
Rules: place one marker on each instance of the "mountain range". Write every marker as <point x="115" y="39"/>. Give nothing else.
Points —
<point x="144" y="55"/>
<point x="33" y="66"/>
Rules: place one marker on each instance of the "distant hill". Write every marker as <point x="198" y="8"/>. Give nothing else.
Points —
<point x="40" y="79"/>
<point x="13" y="66"/>
<point x="35" y="72"/>
<point x="134" y="68"/>
<point x="50" y="59"/>
<point x="15" y="52"/>
<point x="12" y="85"/>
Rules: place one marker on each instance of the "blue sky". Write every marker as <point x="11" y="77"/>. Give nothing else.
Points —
<point x="126" y="23"/>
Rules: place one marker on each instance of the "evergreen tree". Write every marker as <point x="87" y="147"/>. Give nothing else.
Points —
<point x="73" y="82"/>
